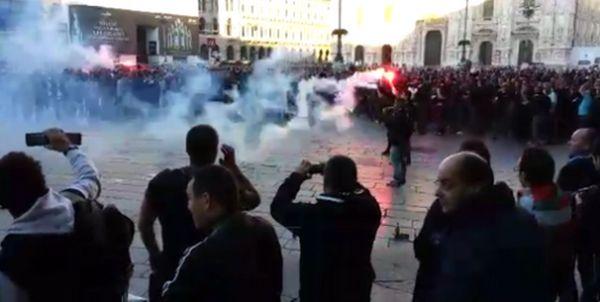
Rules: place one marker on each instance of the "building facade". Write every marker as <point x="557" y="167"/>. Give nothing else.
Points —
<point x="252" y="29"/>
<point x="498" y="32"/>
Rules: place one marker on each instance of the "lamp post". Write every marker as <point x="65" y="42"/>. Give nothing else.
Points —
<point x="464" y="41"/>
<point x="339" y="32"/>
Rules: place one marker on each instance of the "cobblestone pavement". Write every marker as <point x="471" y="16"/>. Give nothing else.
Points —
<point x="128" y="160"/>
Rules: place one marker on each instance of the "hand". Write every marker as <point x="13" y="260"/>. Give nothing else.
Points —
<point x="58" y="140"/>
<point x="304" y="168"/>
<point x="228" y="160"/>
<point x="596" y="161"/>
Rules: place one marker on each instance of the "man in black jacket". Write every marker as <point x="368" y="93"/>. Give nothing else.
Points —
<point x="38" y="255"/>
<point x="241" y="258"/>
<point x="399" y="130"/>
<point x="487" y="250"/>
<point x="587" y="213"/>
<point x="425" y="246"/>
<point x="336" y="234"/>
<point x="166" y="201"/>
<point x="579" y="172"/>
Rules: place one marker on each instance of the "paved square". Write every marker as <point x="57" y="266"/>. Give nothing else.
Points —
<point x="128" y="160"/>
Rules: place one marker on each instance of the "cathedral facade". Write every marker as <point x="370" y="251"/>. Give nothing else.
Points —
<point x="497" y="32"/>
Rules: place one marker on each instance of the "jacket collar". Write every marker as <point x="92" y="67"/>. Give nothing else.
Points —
<point x="50" y="214"/>
<point x="579" y="154"/>
<point x="340" y="197"/>
<point x="495" y="198"/>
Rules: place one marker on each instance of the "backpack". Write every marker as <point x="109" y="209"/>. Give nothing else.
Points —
<point x="102" y="235"/>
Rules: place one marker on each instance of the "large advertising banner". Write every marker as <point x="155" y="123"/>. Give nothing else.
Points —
<point x="95" y="26"/>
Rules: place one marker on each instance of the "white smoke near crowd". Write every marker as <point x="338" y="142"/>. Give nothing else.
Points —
<point x="34" y="93"/>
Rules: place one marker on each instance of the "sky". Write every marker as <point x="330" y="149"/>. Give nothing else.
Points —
<point x="370" y="22"/>
<point x="376" y="22"/>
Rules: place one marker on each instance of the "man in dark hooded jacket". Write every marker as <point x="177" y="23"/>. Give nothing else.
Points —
<point x="336" y="234"/>
<point x="487" y="249"/>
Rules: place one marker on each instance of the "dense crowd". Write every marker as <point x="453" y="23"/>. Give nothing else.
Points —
<point x="479" y="240"/>
<point x="531" y="105"/>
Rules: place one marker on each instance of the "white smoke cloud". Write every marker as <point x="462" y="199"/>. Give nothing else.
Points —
<point x="38" y="48"/>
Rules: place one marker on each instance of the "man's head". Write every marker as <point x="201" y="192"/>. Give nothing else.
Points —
<point x="22" y="182"/>
<point x="476" y="146"/>
<point x="536" y="167"/>
<point x="460" y="176"/>
<point x="340" y="175"/>
<point x="212" y="194"/>
<point x="581" y="140"/>
<point x="202" y="144"/>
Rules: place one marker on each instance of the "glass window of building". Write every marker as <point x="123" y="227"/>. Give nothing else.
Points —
<point x="215" y="24"/>
<point x="488" y="9"/>
<point x="228" y="29"/>
<point x="202" y="24"/>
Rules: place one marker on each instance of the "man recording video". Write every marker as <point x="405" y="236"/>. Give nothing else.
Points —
<point x="336" y="234"/>
<point x="37" y="255"/>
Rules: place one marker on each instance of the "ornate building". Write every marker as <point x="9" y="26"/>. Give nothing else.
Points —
<point x="499" y="32"/>
<point x="252" y="29"/>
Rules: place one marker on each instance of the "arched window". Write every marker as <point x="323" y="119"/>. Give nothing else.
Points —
<point x="202" y="5"/>
<point x="202" y="25"/>
<point x="243" y="53"/>
<point x="270" y="33"/>
<point x="243" y="31"/>
<point x="229" y="53"/>
<point x="204" y="52"/>
<point x="228" y="29"/>
<point x="215" y="25"/>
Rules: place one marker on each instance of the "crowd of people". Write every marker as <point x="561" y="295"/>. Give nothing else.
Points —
<point x="480" y="241"/>
<point x="532" y="104"/>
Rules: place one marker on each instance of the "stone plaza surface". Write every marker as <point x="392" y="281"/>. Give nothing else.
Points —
<point x="129" y="162"/>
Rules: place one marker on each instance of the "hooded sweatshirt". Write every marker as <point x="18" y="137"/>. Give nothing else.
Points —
<point x="36" y="248"/>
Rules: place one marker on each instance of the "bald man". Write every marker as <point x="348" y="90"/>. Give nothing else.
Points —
<point x="488" y="250"/>
<point x="579" y="172"/>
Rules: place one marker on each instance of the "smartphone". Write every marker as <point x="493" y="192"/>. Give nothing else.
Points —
<point x="40" y="139"/>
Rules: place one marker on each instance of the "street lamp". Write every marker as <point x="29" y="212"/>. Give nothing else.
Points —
<point x="339" y="32"/>
<point x="464" y="42"/>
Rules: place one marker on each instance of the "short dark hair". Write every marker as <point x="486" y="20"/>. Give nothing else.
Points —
<point x="340" y="174"/>
<point x="537" y="165"/>
<point x="476" y="146"/>
<point x="21" y="180"/>
<point x="475" y="170"/>
<point x="220" y="184"/>
<point x="201" y="144"/>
